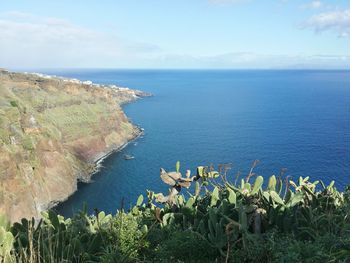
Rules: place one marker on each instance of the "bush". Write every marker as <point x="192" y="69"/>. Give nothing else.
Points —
<point x="126" y="230"/>
<point x="14" y="103"/>
<point x="185" y="246"/>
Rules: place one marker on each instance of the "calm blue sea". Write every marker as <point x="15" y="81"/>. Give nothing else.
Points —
<point x="299" y="120"/>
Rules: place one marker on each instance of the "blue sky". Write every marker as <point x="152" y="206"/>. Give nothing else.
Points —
<point x="175" y="34"/>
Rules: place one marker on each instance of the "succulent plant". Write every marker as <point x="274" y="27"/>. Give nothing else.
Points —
<point x="6" y="241"/>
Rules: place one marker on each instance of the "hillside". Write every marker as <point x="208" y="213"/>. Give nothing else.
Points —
<point x="52" y="131"/>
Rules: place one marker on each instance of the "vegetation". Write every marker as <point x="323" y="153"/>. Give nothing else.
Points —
<point x="219" y="221"/>
<point x="14" y="103"/>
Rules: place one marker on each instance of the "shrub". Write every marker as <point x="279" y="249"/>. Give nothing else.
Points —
<point x="128" y="234"/>
<point x="14" y="103"/>
<point x="27" y="143"/>
<point x="185" y="246"/>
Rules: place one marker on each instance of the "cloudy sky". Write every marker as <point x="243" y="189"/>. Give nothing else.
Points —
<point x="175" y="34"/>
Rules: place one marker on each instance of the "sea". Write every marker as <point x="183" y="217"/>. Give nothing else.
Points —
<point x="295" y="122"/>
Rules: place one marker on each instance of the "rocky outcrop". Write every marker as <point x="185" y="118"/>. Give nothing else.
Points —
<point x="52" y="132"/>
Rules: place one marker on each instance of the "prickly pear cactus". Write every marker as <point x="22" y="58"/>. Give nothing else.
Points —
<point x="257" y="185"/>
<point x="6" y="242"/>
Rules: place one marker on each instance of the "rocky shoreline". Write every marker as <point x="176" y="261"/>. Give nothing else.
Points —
<point x="96" y="167"/>
<point x="55" y="132"/>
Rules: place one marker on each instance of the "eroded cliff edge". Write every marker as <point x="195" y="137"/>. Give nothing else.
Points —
<point x="52" y="131"/>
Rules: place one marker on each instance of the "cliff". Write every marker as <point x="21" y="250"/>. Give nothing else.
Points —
<point x="52" y="132"/>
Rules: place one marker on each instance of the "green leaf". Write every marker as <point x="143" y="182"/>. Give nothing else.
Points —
<point x="272" y="183"/>
<point x="257" y="185"/>
<point x="247" y="186"/>
<point x="135" y="210"/>
<point x="242" y="184"/>
<point x="144" y="229"/>
<point x="243" y="220"/>
<point x="101" y="215"/>
<point x="181" y="200"/>
<point x="232" y="198"/>
<point x="297" y="198"/>
<point x="139" y="200"/>
<point x="301" y="180"/>
<point x="197" y="189"/>
<point x="200" y="171"/>
<point x="331" y="185"/>
<point x="168" y="218"/>
<point x="54" y="219"/>
<point x="266" y="196"/>
<point x="214" y="196"/>
<point x="190" y="202"/>
<point x="289" y="195"/>
<point x="6" y="245"/>
<point x="275" y="197"/>
<point x="178" y="166"/>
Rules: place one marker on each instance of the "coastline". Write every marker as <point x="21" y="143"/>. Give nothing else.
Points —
<point x="97" y="165"/>
<point x="98" y="162"/>
<point x="55" y="133"/>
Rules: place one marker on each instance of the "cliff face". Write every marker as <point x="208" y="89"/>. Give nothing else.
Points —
<point x="52" y="131"/>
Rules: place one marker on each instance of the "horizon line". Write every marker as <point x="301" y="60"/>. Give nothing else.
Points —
<point x="174" y="69"/>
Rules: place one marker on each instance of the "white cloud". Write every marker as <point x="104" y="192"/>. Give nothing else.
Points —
<point x="335" y="21"/>
<point x="30" y="41"/>
<point x="316" y="4"/>
<point x="313" y="5"/>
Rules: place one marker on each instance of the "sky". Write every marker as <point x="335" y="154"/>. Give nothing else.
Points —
<point x="181" y="34"/>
